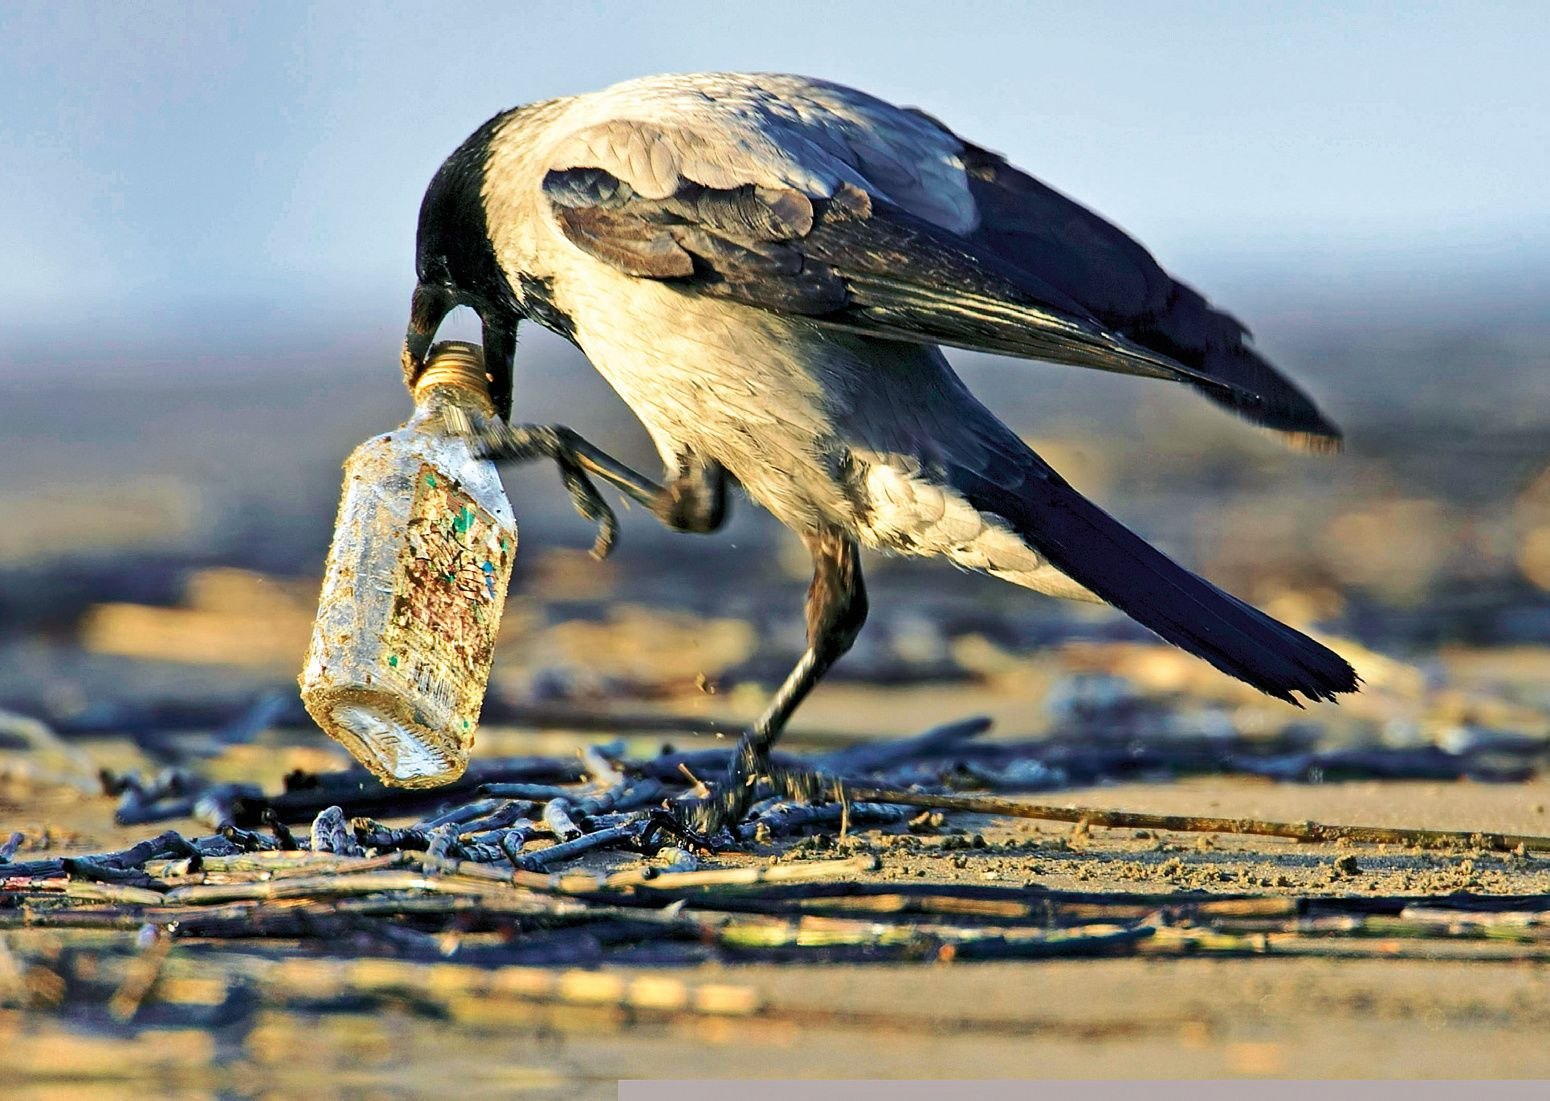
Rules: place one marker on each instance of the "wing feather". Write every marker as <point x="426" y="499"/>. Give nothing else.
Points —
<point x="817" y="201"/>
<point x="846" y="261"/>
<point x="1035" y="228"/>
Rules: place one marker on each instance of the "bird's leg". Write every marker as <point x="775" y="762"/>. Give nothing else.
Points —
<point x="695" y="496"/>
<point x="577" y="460"/>
<point x="836" y="609"/>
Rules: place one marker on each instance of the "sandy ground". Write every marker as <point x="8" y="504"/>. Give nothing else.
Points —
<point x="1078" y="1019"/>
<point x="1126" y="1017"/>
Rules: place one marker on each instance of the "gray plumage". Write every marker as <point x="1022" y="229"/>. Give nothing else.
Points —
<point x="765" y="268"/>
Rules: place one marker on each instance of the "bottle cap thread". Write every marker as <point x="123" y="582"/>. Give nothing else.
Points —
<point x="454" y="363"/>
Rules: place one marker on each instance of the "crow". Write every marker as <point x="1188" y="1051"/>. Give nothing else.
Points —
<point x="766" y="267"/>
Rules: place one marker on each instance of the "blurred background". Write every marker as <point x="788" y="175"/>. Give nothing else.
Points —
<point x="208" y="215"/>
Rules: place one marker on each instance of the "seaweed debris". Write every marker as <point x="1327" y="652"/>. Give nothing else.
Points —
<point x="500" y="870"/>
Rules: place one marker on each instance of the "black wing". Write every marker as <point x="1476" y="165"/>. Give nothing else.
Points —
<point x="1066" y="290"/>
<point x="1036" y="229"/>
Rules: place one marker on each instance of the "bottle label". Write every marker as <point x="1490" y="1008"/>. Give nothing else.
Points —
<point x="448" y="594"/>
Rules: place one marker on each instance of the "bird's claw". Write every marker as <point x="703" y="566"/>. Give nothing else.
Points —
<point x="590" y="504"/>
<point x="665" y="823"/>
<point x="730" y="797"/>
<point x="494" y="439"/>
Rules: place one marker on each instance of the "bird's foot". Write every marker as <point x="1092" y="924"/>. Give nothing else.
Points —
<point x="662" y="823"/>
<point x="494" y="439"/>
<point x="731" y="797"/>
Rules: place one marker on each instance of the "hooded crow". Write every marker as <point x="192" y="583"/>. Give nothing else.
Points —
<point x="766" y="268"/>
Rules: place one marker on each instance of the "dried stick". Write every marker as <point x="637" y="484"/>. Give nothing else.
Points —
<point x="1297" y="831"/>
<point x="605" y="774"/>
<point x="805" y="872"/>
<point x="587" y="883"/>
<point x="465" y="812"/>
<point x="1184" y="941"/>
<point x="572" y="847"/>
<point x="332" y="834"/>
<point x="557" y="818"/>
<point x="509" y="813"/>
<point x="783" y="818"/>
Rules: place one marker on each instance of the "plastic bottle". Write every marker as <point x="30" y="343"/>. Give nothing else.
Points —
<point x="414" y="587"/>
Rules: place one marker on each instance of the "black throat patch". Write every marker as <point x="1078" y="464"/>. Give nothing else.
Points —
<point x="538" y="303"/>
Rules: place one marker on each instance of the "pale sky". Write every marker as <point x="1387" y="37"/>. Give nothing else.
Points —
<point x="161" y="163"/>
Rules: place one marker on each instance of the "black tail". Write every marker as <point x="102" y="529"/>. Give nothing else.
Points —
<point x="1092" y="548"/>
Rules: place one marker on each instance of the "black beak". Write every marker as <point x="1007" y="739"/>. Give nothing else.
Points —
<point x="429" y="306"/>
<point x="427" y="309"/>
<point x="500" y="352"/>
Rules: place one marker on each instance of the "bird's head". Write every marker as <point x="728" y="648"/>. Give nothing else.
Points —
<point x="456" y="266"/>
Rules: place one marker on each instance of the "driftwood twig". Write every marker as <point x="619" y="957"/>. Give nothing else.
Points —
<point x="1297" y="831"/>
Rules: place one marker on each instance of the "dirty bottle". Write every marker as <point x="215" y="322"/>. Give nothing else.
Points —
<point x="414" y="586"/>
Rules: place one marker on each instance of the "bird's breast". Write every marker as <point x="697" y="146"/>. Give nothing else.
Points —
<point x="729" y="382"/>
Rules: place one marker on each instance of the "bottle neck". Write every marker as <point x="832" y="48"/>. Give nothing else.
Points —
<point x="454" y="377"/>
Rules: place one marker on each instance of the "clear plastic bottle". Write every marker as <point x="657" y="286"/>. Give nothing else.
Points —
<point x="414" y="587"/>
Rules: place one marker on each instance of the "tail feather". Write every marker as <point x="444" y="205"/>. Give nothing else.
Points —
<point x="1092" y="548"/>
